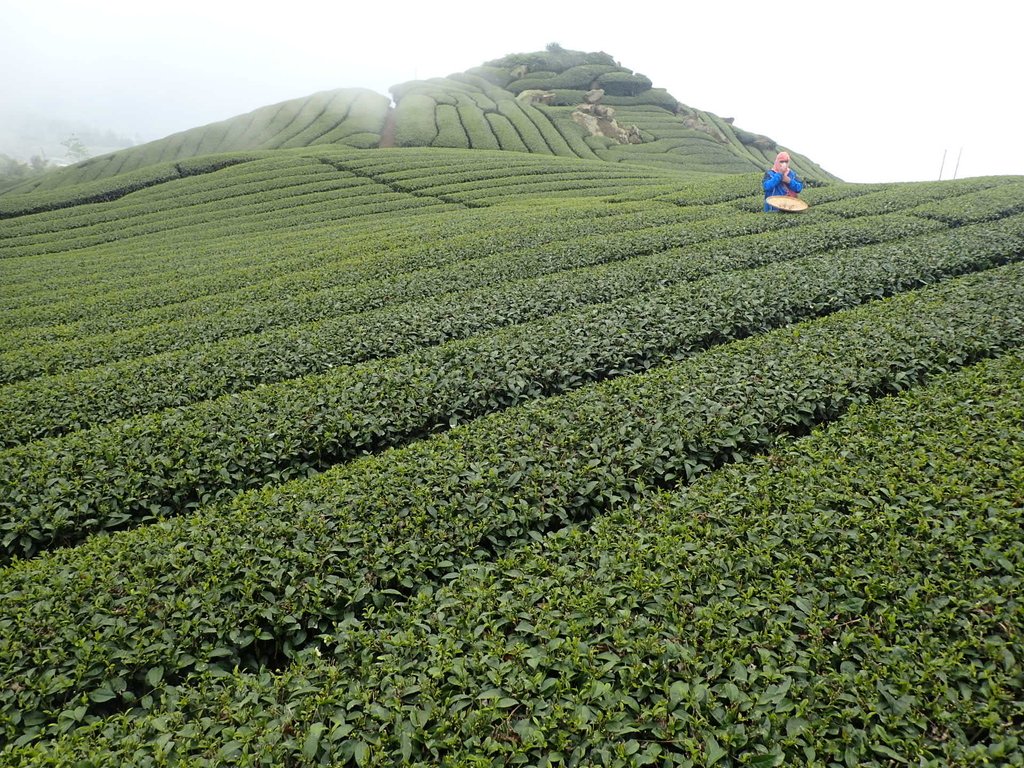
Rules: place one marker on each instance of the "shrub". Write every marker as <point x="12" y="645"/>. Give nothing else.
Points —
<point x="450" y="132"/>
<point x="415" y="121"/>
<point x="623" y="84"/>
<point x="535" y="80"/>
<point x="564" y="97"/>
<point x="656" y="97"/>
<point x="496" y="75"/>
<point x="478" y="130"/>
<point x="525" y="126"/>
<point x="506" y="133"/>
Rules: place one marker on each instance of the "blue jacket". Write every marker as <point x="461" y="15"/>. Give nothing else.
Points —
<point x="773" y="185"/>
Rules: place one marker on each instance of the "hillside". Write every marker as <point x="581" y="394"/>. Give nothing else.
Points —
<point x="564" y="103"/>
<point x="421" y="455"/>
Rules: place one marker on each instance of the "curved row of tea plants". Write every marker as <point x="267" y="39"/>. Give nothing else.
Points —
<point x="175" y="247"/>
<point x="269" y="174"/>
<point x="344" y="195"/>
<point x="265" y="172"/>
<point x="444" y="240"/>
<point x="1004" y="199"/>
<point x="178" y="261"/>
<point x="170" y="461"/>
<point x="329" y="291"/>
<point x="417" y="170"/>
<point x="254" y="581"/>
<point x="353" y="117"/>
<point x="68" y="196"/>
<point x="341" y="203"/>
<point x="740" y="622"/>
<point x="470" y="110"/>
<point x="194" y="202"/>
<point x="50" y="312"/>
<point x="131" y="323"/>
<point x="655" y="112"/>
<point x="954" y="202"/>
<point x="52" y="405"/>
<point x="96" y="225"/>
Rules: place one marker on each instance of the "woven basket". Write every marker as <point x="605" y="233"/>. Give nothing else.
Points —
<point x="785" y="203"/>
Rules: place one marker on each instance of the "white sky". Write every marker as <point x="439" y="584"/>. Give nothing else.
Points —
<point x="871" y="90"/>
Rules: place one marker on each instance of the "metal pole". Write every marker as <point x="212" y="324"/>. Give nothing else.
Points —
<point x="958" y="162"/>
<point x="943" y="164"/>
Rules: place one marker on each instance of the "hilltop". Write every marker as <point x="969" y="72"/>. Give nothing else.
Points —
<point x="557" y="102"/>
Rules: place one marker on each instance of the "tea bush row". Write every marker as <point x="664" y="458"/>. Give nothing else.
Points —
<point x="298" y="208"/>
<point x="340" y="115"/>
<point x="346" y="291"/>
<point x="274" y="171"/>
<point x="906" y="196"/>
<point x="307" y="157"/>
<point x="413" y="163"/>
<point x="121" y="224"/>
<point x="469" y="179"/>
<point x="207" y="269"/>
<point x="456" y="240"/>
<point x="108" y="312"/>
<point x="478" y="132"/>
<point x="258" y="580"/>
<point x="260" y="178"/>
<point x="742" y="621"/>
<point x="419" y="241"/>
<point x="991" y="202"/>
<point x="52" y="405"/>
<point x="253" y="176"/>
<point x="362" y="125"/>
<point x="171" y="461"/>
<point x="14" y="205"/>
<point x="54" y="313"/>
<point x="448" y="104"/>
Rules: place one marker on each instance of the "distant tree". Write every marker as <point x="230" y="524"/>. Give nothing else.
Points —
<point x="554" y="48"/>
<point x="76" y="151"/>
<point x="11" y="168"/>
<point x="13" y="171"/>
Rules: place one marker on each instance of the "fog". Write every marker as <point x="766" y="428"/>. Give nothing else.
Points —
<point x="879" y="91"/>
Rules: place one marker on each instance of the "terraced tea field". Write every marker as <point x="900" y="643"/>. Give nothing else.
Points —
<point x="325" y="455"/>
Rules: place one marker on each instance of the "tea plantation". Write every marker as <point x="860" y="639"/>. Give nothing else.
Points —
<point x="320" y="454"/>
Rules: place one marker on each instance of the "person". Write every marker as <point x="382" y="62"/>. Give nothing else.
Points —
<point x="780" y="180"/>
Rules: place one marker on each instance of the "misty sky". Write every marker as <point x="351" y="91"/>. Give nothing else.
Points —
<point x="872" y="91"/>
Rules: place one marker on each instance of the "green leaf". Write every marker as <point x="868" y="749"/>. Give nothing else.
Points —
<point x="361" y="752"/>
<point x="584" y="714"/>
<point x="795" y="726"/>
<point x="884" y="750"/>
<point x="405" y="744"/>
<point x="765" y="761"/>
<point x="102" y="694"/>
<point x="154" y="676"/>
<point x="312" y="742"/>
<point x="714" y="751"/>
<point x="678" y="691"/>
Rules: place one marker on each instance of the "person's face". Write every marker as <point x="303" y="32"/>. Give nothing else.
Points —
<point x="784" y="164"/>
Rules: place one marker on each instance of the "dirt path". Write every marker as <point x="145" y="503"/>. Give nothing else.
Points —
<point x="387" y="135"/>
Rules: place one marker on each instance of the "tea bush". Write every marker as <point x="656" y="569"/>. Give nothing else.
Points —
<point x="421" y="455"/>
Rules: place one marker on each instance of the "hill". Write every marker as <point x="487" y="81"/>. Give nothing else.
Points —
<point x="427" y="455"/>
<point x="558" y="102"/>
